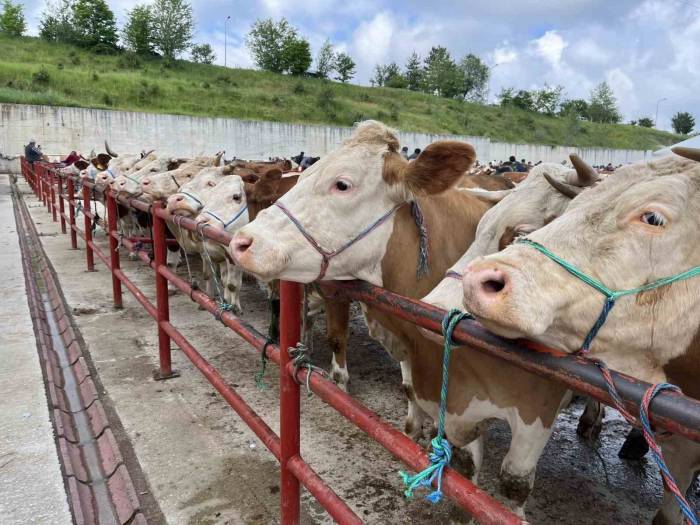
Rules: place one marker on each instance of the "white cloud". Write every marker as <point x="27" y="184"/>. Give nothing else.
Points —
<point x="504" y="55"/>
<point x="550" y="47"/>
<point x="588" y="50"/>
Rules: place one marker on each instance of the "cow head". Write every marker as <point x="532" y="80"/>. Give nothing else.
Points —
<point x="226" y="206"/>
<point x="635" y="227"/>
<point x="539" y="199"/>
<point x="162" y="185"/>
<point x="338" y="198"/>
<point x="129" y="184"/>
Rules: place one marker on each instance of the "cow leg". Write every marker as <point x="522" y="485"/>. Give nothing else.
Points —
<point x="173" y="258"/>
<point x="518" y="467"/>
<point x="467" y="460"/>
<point x="337" y="320"/>
<point x="416" y="416"/>
<point x="273" y="298"/>
<point x="591" y="421"/>
<point x="683" y="460"/>
<point x="232" y="285"/>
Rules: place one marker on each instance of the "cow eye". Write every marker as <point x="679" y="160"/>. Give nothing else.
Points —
<point x="211" y="183"/>
<point x="654" y="218"/>
<point x="342" y="185"/>
<point x="237" y="197"/>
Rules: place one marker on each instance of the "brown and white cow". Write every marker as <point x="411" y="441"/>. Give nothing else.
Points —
<point x="160" y="186"/>
<point x="634" y="228"/>
<point x="338" y="198"/>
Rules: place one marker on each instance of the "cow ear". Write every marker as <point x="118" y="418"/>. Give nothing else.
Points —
<point x="439" y="167"/>
<point x="81" y="164"/>
<point x="103" y="159"/>
<point x="250" y="178"/>
<point x="272" y="174"/>
<point x="174" y="163"/>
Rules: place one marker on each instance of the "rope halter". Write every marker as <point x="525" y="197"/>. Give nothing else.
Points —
<point x="327" y="255"/>
<point x="233" y="219"/>
<point x="611" y="296"/>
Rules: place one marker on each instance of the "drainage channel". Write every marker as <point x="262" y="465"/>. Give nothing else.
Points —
<point x="98" y="483"/>
<point x="86" y="440"/>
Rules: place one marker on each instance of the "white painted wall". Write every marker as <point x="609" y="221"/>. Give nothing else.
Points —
<point x="62" y="129"/>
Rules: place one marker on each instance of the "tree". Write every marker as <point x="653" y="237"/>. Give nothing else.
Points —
<point x="56" y="24"/>
<point x="577" y="108"/>
<point x="388" y="75"/>
<point x="414" y="73"/>
<point x="325" y="60"/>
<point x="603" y="105"/>
<point x="173" y="24"/>
<point x="267" y="40"/>
<point x="12" y="19"/>
<point x="442" y="76"/>
<point x="547" y="99"/>
<point x="475" y="77"/>
<point x="94" y="24"/>
<point x="138" y="31"/>
<point x="645" y="122"/>
<point x="202" y="54"/>
<point x="296" y="56"/>
<point x="344" y="67"/>
<point x="683" y="123"/>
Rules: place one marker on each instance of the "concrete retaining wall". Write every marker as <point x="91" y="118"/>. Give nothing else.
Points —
<point x="62" y="129"/>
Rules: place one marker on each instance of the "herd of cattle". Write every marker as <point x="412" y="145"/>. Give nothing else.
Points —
<point x="352" y="215"/>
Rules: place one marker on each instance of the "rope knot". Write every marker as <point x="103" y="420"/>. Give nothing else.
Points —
<point x="440" y="456"/>
<point x="300" y="359"/>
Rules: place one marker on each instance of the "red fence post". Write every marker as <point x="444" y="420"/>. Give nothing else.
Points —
<point x="61" y="205"/>
<point x="71" y="213"/>
<point x="45" y="184"/>
<point x="162" y="303"/>
<point x="52" y="189"/>
<point x="113" y="248"/>
<point x="290" y="331"/>
<point x="88" y="229"/>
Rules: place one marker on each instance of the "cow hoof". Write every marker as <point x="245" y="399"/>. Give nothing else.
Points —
<point x="661" y="519"/>
<point x="338" y="379"/>
<point x="413" y="430"/>
<point x="515" y="488"/>
<point x="635" y="446"/>
<point x="589" y="432"/>
<point x="463" y="462"/>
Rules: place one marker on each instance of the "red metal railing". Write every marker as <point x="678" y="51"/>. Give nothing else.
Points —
<point x="677" y="413"/>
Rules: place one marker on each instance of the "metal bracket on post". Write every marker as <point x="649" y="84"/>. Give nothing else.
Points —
<point x="290" y="335"/>
<point x="162" y="302"/>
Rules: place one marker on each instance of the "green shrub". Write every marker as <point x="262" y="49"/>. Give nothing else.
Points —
<point x="299" y="88"/>
<point x="42" y="76"/>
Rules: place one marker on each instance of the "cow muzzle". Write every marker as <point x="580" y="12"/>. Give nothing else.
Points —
<point x="257" y="256"/>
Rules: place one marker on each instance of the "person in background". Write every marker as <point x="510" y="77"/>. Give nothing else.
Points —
<point x="415" y="154"/>
<point x="404" y="152"/>
<point x="32" y="153"/>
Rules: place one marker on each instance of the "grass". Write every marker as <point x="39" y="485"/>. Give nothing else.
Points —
<point x="35" y="72"/>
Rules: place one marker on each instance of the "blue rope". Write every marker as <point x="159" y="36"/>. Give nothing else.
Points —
<point x="441" y="450"/>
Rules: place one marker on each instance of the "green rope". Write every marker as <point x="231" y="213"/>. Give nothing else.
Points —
<point x="441" y="450"/>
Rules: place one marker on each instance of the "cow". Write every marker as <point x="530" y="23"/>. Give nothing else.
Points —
<point x="259" y="166"/>
<point x="160" y="186"/>
<point x="635" y="227"/>
<point x="226" y="210"/>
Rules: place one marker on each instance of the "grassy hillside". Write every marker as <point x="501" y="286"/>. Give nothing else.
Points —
<point x="35" y="72"/>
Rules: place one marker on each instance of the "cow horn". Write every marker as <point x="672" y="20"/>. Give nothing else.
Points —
<point x="587" y="176"/>
<point x="145" y="154"/>
<point x="565" y="189"/>
<point x="487" y="195"/>
<point x="109" y="151"/>
<point x="219" y="156"/>
<point x="688" y="153"/>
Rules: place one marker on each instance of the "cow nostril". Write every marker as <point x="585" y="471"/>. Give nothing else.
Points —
<point x="492" y="282"/>
<point x="241" y="244"/>
<point x="146" y="182"/>
<point x="179" y="198"/>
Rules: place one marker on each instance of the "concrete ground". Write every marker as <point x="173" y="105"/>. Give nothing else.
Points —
<point x="31" y="485"/>
<point x="205" y="467"/>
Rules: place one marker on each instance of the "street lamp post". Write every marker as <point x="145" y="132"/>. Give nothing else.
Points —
<point x="656" y="118"/>
<point x="226" y="40"/>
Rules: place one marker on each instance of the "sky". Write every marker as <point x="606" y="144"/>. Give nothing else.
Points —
<point x="647" y="50"/>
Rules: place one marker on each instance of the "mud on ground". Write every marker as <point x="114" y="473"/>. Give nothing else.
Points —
<point x="205" y="467"/>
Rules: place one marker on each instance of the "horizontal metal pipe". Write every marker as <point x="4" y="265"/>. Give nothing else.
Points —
<point x="477" y="502"/>
<point x="249" y="416"/>
<point x="329" y="500"/>
<point x="673" y="412"/>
